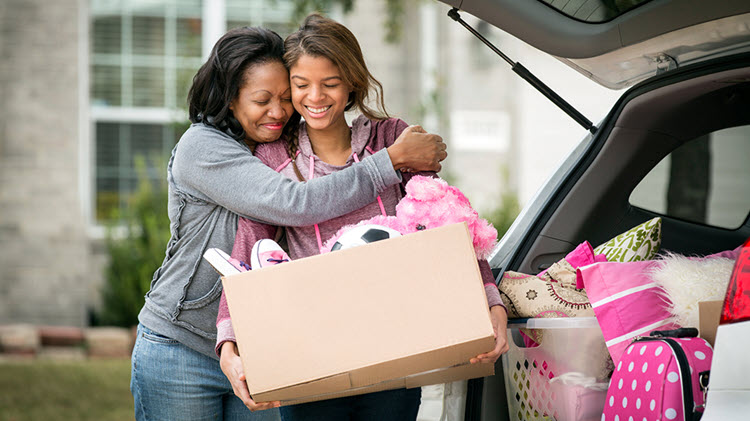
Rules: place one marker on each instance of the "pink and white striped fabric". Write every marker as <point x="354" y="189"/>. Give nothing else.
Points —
<point x="626" y="302"/>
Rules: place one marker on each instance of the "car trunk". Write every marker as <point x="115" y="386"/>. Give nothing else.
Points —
<point x="688" y="63"/>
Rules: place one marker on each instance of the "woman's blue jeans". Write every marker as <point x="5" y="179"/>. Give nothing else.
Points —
<point x="170" y="381"/>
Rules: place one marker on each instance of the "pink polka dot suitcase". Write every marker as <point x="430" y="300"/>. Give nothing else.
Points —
<point x="659" y="378"/>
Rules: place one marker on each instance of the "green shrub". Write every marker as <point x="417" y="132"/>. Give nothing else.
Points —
<point x="136" y="242"/>
<point x="507" y="209"/>
<point x="502" y="216"/>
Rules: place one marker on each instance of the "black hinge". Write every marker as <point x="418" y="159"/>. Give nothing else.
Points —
<point x="529" y="77"/>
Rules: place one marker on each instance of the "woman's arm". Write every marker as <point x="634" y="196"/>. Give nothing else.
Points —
<point x="498" y="316"/>
<point x="211" y="166"/>
<point x="490" y="287"/>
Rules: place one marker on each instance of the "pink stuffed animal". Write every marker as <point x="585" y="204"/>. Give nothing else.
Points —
<point x="429" y="203"/>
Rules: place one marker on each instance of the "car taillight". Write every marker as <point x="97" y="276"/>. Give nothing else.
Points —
<point x="737" y="301"/>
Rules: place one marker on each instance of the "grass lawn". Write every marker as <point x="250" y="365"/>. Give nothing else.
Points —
<point x="65" y="390"/>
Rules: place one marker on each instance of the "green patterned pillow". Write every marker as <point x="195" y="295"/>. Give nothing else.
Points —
<point x="638" y="243"/>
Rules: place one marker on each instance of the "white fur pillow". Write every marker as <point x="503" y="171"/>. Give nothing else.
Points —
<point x="686" y="281"/>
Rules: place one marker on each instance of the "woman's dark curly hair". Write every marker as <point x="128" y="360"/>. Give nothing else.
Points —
<point x="218" y="81"/>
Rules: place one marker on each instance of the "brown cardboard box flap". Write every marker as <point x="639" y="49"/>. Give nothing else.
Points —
<point x="405" y="305"/>
<point x="439" y="376"/>
<point x="326" y="386"/>
<point x="709" y="313"/>
<point x="450" y="374"/>
<point x="389" y="385"/>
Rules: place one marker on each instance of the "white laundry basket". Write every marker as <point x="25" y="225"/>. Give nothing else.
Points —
<point x="561" y="379"/>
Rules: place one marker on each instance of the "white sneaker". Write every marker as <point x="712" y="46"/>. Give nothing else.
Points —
<point x="223" y="263"/>
<point x="267" y="253"/>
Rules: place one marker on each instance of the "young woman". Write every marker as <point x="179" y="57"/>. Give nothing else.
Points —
<point x="240" y="98"/>
<point x="329" y="77"/>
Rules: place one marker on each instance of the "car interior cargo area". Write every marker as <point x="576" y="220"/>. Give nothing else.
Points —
<point x="650" y="125"/>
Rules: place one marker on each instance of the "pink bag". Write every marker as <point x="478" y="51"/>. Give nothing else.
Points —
<point x="659" y="378"/>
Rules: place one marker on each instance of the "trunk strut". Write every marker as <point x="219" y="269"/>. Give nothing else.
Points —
<point x="529" y="77"/>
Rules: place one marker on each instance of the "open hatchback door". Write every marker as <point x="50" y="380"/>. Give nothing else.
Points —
<point x="620" y="43"/>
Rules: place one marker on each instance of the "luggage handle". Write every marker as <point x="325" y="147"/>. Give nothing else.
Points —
<point x="683" y="332"/>
<point x="703" y="378"/>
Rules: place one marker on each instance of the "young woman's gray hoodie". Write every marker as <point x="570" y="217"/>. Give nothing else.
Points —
<point x="212" y="179"/>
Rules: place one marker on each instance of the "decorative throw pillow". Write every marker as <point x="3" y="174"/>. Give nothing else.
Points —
<point x="626" y="301"/>
<point x="565" y="270"/>
<point x="639" y="243"/>
<point x="727" y="254"/>
<point x="567" y="301"/>
<point x="562" y="272"/>
<point x="531" y="296"/>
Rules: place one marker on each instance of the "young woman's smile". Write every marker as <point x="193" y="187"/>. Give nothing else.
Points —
<point x="319" y="93"/>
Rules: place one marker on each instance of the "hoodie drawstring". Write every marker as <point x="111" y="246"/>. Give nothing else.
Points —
<point x="310" y="177"/>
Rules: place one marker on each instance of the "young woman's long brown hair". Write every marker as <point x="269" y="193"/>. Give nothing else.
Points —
<point x="320" y="36"/>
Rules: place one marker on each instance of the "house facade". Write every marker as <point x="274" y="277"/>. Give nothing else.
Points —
<point x="90" y="86"/>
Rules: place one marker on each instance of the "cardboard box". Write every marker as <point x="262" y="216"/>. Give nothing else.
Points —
<point x="709" y="313"/>
<point x="403" y="312"/>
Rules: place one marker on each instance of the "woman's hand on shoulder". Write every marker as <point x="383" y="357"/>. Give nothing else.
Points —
<point x="417" y="150"/>
<point x="231" y="365"/>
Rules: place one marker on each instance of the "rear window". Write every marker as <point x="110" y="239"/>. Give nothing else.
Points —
<point x="706" y="180"/>
<point x="593" y="10"/>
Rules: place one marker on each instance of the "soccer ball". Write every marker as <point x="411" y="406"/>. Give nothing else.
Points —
<point x="363" y="234"/>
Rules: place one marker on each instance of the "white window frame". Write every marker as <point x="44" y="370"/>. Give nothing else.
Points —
<point x="213" y="18"/>
<point x="213" y="26"/>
